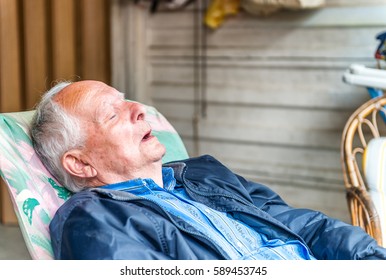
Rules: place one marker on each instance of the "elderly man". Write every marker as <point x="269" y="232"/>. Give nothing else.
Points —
<point x="127" y="205"/>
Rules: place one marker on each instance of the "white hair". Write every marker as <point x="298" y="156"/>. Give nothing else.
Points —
<point x="54" y="132"/>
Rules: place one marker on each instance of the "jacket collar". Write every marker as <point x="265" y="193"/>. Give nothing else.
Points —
<point x="179" y="169"/>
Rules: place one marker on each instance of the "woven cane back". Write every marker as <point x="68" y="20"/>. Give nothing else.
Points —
<point x="363" y="125"/>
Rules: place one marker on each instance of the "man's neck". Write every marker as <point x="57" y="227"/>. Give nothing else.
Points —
<point x="153" y="172"/>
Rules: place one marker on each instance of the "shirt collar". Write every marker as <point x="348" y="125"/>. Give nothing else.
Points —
<point x="167" y="177"/>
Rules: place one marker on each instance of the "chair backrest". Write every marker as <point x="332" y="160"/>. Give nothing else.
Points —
<point x="364" y="126"/>
<point x="35" y="194"/>
<point x="374" y="169"/>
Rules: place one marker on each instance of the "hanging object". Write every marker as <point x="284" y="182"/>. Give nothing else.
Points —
<point x="380" y="53"/>
<point x="218" y="10"/>
<point x="267" y="7"/>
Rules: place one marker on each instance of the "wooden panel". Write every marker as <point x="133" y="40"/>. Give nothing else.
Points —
<point x="44" y="40"/>
<point x="63" y="40"/>
<point x="281" y="42"/>
<point x="354" y="2"/>
<point x="276" y="103"/>
<point x="36" y="51"/>
<point x="311" y="153"/>
<point x="338" y="16"/>
<point x="322" y="96"/>
<point x="276" y="127"/>
<point x="10" y="88"/>
<point x="274" y="84"/>
<point x="10" y="73"/>
<point x="288" y="163"/>
<point x="95" y="40"/>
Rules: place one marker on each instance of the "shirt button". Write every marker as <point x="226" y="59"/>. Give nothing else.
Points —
<point x="239" y="244"/>
<point x="207" y="210"/>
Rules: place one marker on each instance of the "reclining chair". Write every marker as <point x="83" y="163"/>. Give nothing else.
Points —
<point x="363" y="158"/>
<point x="34" y="193"/>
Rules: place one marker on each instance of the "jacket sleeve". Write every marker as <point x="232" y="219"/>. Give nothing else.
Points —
<point x="327" y="238"/>
<point x="91" y="231"/>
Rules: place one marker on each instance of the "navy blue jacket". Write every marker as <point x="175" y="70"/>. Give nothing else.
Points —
<point x="106" y="224"/>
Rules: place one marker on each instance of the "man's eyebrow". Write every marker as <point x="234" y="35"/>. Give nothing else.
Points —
<point x="100" y="112"/>
<point x="103" y="109"/>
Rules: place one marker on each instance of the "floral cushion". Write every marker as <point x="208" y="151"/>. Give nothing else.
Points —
<point x="374" y="165"/>
<point x="35" y="194"/>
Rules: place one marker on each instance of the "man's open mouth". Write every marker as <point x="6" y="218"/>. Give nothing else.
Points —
<point x="147" y="135"/>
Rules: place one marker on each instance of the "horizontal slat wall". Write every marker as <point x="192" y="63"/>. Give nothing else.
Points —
<point x="42" y="41"/>
<point x="276" y="103"/>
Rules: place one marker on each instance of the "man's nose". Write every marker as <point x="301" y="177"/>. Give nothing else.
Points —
<point x="137" y="112"/>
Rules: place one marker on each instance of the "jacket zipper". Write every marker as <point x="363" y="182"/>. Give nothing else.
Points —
<point x="199" y="235"/>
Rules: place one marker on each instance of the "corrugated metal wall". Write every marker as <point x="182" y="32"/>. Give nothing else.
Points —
<point x="274" y="102"/>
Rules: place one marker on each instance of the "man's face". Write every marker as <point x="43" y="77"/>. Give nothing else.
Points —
<point x="119" y="142"/>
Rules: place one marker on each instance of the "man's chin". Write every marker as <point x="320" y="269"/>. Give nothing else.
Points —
<point x="160" y="152"/>
<point x="164" y="151"/>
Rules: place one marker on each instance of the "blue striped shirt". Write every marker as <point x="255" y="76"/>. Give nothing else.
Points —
<point x="237" y="240"/>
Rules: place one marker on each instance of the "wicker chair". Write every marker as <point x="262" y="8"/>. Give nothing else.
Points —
<point x="363" y="125"/>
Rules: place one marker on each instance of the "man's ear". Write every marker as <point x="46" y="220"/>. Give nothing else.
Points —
<point x="75" y="164"/>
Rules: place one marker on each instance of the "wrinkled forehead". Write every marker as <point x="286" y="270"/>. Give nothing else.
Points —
<point x="83" y="98"/>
